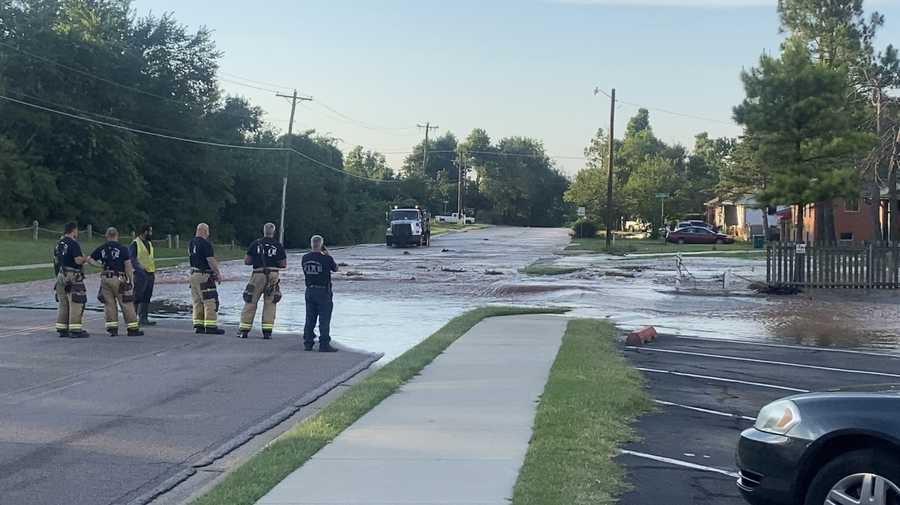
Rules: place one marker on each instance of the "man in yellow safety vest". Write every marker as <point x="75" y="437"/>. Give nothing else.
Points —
<point x="144" y="263"/>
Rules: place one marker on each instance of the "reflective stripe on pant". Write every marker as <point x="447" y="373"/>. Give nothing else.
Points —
<point x="205" y="298"/>
<point x="71" y="295"/>
<point x="113" y="297"/>
<point x="319" y="305"/>
<point x="265" y="287"/>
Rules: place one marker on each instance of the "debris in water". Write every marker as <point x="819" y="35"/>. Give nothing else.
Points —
<point x="351" y="273"/>
<point x="342" y="264"/>
<point x="613" y="273"/>
<point x="406" y="253"/>
<point x="422" y="267"/>
<point x="446" y="250"/>
<point x="452" y="270"/>
<point x="780" y="290"/>
<point x="492" y="272"/>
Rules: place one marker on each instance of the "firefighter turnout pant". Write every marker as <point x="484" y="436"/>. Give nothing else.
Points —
<point x="71" y="295"/>
<point x="116" y="291"/>
<point x="263" y="284"/>
<point x="205" y="298"/>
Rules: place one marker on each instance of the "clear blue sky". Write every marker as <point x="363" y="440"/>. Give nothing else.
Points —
<point x="512" y="67"/>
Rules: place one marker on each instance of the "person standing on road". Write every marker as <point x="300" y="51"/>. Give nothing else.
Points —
<point x="205" y="275"/>
<point x="71" y="294"/>
<point x="116" y="284"/>
<point x="317" y="267"/>
<point x="267" y="256"/>
<point x="143" y="260"/>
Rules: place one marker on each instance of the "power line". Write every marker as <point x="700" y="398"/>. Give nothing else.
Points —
<point x="187" y="140"/>
<point x="364" y="124"/>
<point x="261" y="83"/>
<point x="598" y="90"/>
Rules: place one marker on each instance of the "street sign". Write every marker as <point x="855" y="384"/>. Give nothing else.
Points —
<point x="582" y="212"/>
<point x="662" y="195"/>
<point x="801" y="248"/>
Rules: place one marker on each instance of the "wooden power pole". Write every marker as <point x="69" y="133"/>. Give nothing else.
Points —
<point x="287" y="155"/>
<point x="428" y="128"/>
<point x="609" y="183"/>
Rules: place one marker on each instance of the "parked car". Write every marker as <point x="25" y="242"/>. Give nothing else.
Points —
<point x="834" y="448"/>
<point x="692" y="224"/>
<point x="697" y="235"/>
<point x="455" y="218"/>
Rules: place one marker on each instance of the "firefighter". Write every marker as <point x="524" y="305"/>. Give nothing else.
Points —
<point x="71" y="293"/>
<point x="205" y="275"/>
<point x="144" y="263"/>
<point x="116" y="284"/>
<point x="267" y="256"/>
<point x="317" y="267"/>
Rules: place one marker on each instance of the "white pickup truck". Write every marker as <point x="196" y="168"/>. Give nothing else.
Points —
<point x="454" y="218"/>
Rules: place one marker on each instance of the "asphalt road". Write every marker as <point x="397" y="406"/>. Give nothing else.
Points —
<point x="708" y="374"/>
<point x="107" y="421"/>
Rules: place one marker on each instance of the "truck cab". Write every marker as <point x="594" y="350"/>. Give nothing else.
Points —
<point x="408" y="227"/>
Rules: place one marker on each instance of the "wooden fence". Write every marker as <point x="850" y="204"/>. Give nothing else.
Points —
<point x="833" y="266"/>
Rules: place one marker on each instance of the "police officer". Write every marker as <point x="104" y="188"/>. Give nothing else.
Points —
<point x="267" y="256"/>
<point x="317" y="267"/>
<point x="116" y="284"/>
<point x="144" y="263"/>
<point x="205" y="275"/>
<point x="71" y="293"/>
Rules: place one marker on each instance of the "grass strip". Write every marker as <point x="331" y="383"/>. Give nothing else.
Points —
<point x="586" y="411"/>
<point x="438" y="229"/>
<point x="539" y="268"/>
<point x="251" y="481"/>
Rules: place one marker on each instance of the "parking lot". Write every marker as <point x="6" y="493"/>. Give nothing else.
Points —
<point x="707" y="391"/>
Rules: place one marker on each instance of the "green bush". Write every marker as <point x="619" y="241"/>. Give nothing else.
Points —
<point x="585" y="228"/>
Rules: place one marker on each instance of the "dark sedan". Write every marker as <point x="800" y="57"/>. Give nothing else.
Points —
<point x="698" y="235"/>
<point x="834" y="448"/>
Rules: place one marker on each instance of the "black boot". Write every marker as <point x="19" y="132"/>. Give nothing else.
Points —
<point x="113" y="332"/>
<point x="214" y="331"/>
<point x="63" y="334"/>
<point x="243" y="334"/>
<point x="267" y="335"/>
<point x="135" y="333"/>
<point x="307" y="346"/>
<point x="326" y="348"/>
<point x="199" y="330"/>
<point x="79" y="334"/>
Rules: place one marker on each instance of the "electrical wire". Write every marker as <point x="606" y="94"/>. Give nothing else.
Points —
<point x="191" y="141"/>
<point x="261" y="83"/>
<point x="598" y="90"/>
<point x="361" y="123"/>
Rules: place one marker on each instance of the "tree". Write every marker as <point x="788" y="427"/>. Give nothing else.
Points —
<point x="367" y="163"/>
<point x="807" y="131"/>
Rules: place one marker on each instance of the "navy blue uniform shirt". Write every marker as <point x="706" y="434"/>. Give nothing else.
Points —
<point x="66" y="251"/>
<point x="317" y="269"/>
<point x="199" y="249"/>
<point x="266" y="253"/>
<point x="113" y="255"/>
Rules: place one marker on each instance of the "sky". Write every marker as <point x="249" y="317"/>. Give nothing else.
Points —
<point x="377" y="69"/>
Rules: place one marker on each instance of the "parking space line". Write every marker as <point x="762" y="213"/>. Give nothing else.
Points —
<point x="765" y="362"/>
<point x="704" y="411"/>
<point x="786" y="346"/>
<point x="722" y="379"/>
<point x="678" y="462"/>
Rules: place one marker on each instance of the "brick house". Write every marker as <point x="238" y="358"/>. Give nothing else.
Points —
<point x="851" y="221"/>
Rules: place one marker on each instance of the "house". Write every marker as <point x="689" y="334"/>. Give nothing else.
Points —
<point x="741" y="217"/>
<point x="852" y="221"/>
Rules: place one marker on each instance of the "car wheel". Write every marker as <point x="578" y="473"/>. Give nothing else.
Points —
<point x="681" y="241"/>
<point x="719" y="241"/>
<point x="865" y="476"/>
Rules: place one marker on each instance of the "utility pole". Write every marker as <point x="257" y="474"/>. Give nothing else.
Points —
<point x="609" y="182"/>
<point x="428" y="129"/>
<point x="461" y="187"/>
<point x="287" y="155"/>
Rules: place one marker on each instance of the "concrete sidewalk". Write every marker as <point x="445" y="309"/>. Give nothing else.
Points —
<point x="456" y="434"/>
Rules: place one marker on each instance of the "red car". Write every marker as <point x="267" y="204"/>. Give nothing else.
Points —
<point x="697" y="235"/>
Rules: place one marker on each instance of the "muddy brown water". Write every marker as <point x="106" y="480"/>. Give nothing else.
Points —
<point x="396" y="297"/>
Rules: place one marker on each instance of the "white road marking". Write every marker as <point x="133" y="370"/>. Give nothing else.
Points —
<point x="705" y="411"/>
<point x="768" y="362"/>
<point x="678" y="462"/>
<point x="722" y="379"/>
<point x="785" y="346"/>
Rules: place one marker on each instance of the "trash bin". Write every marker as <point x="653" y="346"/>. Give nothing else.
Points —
<point x="759" y="241"/>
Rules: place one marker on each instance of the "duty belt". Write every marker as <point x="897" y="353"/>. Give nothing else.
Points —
<point x="72" y="270"/>
<point x="200" y="271"/>
<point x="110" y="274"/>
<point x="266" y="271"/>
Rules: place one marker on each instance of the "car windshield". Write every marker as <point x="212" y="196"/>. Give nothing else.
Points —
<point x="404" y="215"/>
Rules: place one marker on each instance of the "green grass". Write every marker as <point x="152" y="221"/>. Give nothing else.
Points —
<point x="538" y="268"/>
<point x="443" y="228"/>
<point x="646" y="246"/>
<point x="586" y="413"/>
<point x="254" y="479"/>
<point x="29" y="252"/>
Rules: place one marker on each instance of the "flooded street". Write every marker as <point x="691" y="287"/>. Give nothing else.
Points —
<point x="387" y="300"/>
